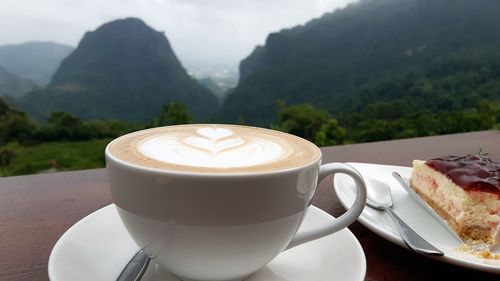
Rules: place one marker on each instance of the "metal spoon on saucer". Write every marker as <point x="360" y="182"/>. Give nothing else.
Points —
<point x="379" y="197"/>
<point x="135" y="268"/>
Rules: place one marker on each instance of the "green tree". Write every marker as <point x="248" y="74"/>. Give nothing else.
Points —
<point x="14" y="125"/>
<point x="6" y="156"/>
<point x="111" y="128"/>
<point x="330" y="133"/>
<point x="62" y="119"/>
<point x="309" y="122"/>
<point x="64" y="126"/>
<point x="174" y="114"/>
<point x="492" y="109"/>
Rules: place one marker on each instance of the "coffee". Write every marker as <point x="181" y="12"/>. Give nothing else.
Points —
<point x="209" y="148"/>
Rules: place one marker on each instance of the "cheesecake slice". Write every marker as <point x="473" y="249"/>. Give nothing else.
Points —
<point x="464" y="191"/>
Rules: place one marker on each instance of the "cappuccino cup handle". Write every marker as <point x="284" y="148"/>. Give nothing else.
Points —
<point x="345" y="219"/>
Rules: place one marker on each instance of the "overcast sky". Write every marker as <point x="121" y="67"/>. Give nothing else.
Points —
<point x="200" y="31"/>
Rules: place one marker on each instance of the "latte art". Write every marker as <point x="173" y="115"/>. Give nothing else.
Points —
<point x="212" y="147"/>
<point x="214" y="140"/>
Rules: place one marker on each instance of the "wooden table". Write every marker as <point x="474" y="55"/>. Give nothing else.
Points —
<point x="36" y="210"/>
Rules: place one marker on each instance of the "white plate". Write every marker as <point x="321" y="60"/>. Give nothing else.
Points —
<point x="98" y="247"/>
<point x="416" y="217"/>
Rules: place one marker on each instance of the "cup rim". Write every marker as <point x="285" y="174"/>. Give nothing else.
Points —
<point x="110" y="157"/>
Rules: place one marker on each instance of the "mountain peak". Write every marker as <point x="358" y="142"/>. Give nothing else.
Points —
<point x="127" y="20"/>
<point x="134" y="25"/>
<point x="126" y="70"/>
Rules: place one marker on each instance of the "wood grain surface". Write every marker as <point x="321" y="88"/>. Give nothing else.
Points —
<point x="36" y="210"/>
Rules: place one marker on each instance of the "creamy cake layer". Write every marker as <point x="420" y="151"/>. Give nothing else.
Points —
<point x="473" y="214"/>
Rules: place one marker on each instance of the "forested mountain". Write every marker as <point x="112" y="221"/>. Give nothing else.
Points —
<point x="12" y="85"/>
<point x="122" y="70"/>
<point x="375" y="50"/>
<point x="34" y="60"/>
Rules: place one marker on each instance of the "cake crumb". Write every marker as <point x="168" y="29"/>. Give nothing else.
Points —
<point x="479" y="250"/>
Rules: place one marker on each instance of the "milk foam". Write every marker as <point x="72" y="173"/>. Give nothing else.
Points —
<point x="213" y="147"/>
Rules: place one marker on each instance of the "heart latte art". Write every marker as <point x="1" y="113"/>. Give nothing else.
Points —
<point x="214" y="147"/>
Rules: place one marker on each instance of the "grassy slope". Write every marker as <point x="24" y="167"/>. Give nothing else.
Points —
<point x="61" y="156"/>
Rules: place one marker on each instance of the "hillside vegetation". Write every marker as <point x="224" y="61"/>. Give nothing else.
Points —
<point x="377" y="49"/>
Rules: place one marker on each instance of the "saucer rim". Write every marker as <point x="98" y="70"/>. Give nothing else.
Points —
<point x="52" y="269"/>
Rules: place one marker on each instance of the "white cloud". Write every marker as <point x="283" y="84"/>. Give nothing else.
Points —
<point x="214" y="31"/>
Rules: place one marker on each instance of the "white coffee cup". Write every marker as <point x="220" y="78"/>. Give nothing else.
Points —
<point x="221" y="226"/>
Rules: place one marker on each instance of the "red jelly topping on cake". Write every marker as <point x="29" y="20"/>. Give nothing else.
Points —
<point x="470" y="172"/>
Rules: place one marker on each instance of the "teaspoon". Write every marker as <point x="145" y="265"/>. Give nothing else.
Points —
<point x="135" y="268"/>
<point x="379" y="197"/>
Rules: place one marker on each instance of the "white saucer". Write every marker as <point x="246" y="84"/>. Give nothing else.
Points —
<point x="98" y="247"/>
